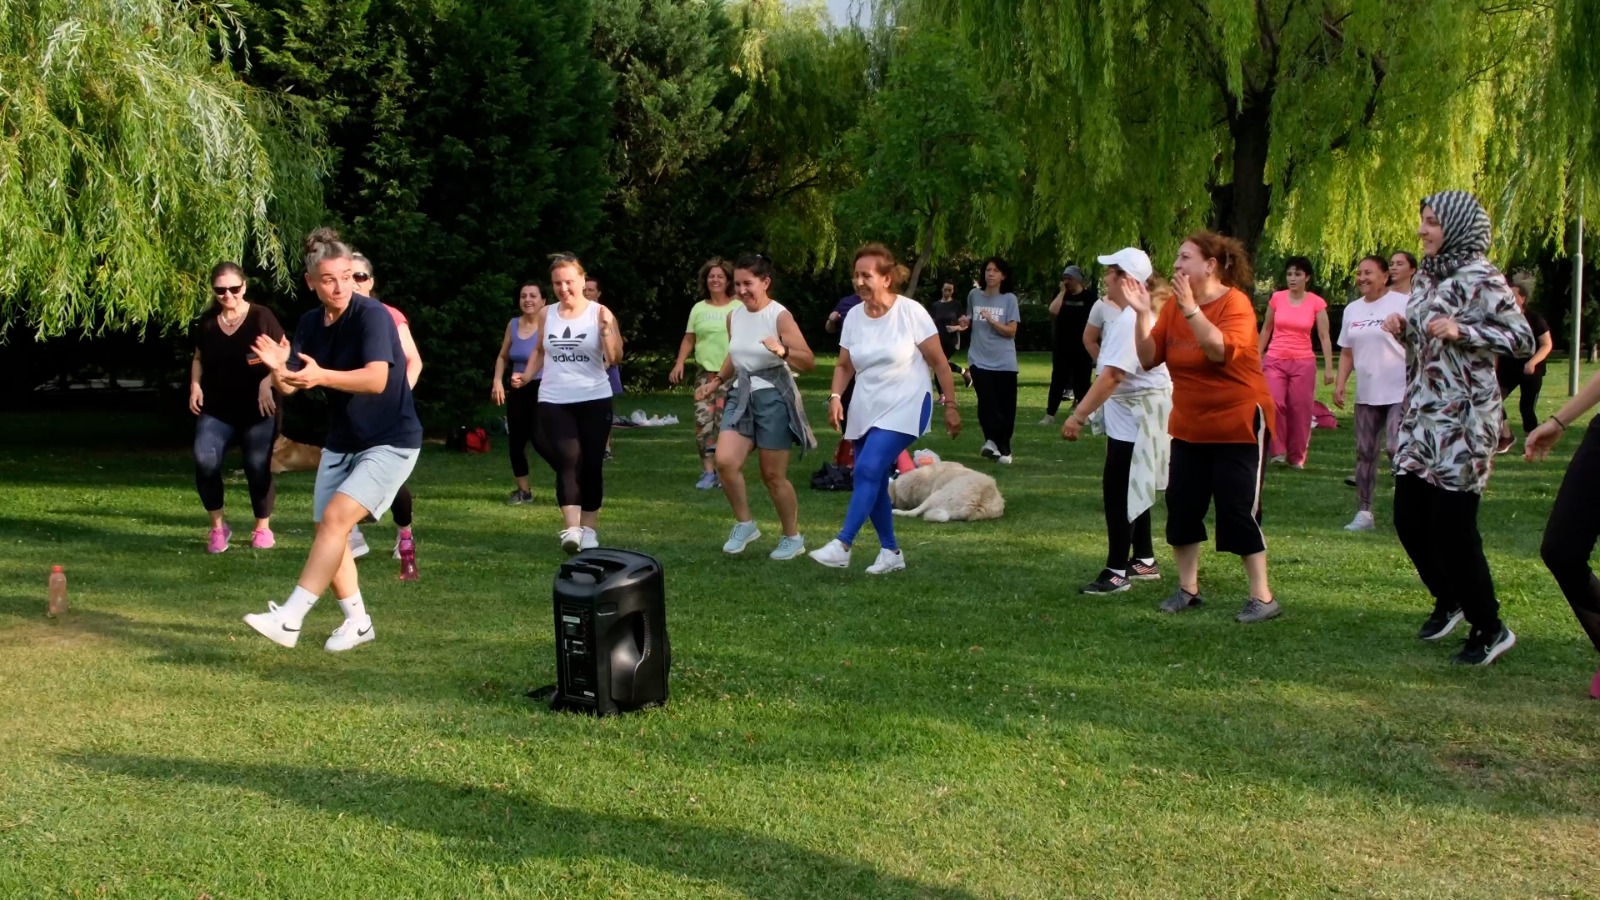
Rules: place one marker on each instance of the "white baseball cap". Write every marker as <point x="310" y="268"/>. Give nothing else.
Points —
<point x="1131" y="260"/>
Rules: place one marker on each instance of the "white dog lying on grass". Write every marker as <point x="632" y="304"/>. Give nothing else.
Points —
<point x="946" y="492"/>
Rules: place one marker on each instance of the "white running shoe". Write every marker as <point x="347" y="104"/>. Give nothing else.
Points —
<point x="1004" y="460"/>
<point x="989" y="450"/>
<point x="789" y="547"/>
<point x="888" y="561"/>
<point x="833" y="554"/>
<point x="1280" y="460"/>
<point x="1362" y="522"/>
<point x="358" y="543"/>
<point x="740" y="537"/>
<point x="350" y="633"/>
<point x="1048" y="420"/>
<point x="572" y="540"/>
<point x="590" y="541"/>
<point x="275" y="625"/>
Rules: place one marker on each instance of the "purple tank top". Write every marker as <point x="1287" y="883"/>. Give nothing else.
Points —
<point x="521" y="349"/>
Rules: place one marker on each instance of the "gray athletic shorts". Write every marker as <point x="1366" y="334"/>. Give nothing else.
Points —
<point x="371" y="478"/>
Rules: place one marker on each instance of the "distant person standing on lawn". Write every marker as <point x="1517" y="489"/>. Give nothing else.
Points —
<point x="764" y="412"/>
<point x="1528" y="373"/>
<point x="351" y="349"/>
<point x="707" y="338"/>
<point x="993" y="318"/>
<point x="890" y="348"/>
<point x="591" y="291"/>
<point x="1291" y="362"/>
<point x="522" y="401"/>
<point x="231" y="395"/>
<point x="1379" y="364"/>
<point x="1070" y="363"/>
<point x="946" y="313"/>
<point x="1221" y="415"/>
<point x="1461" y="317"/>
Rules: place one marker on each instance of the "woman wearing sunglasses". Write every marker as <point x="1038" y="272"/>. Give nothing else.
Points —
<point x="232" y="396"/>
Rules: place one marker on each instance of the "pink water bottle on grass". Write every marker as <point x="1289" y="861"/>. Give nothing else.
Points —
<point x="58" y="592"/>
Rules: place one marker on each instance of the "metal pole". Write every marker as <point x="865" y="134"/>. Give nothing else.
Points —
<point x="1577" y="304"/>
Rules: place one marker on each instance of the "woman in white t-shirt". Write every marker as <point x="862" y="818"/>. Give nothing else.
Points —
<point x="1137" y="403"/>
<point x="890" y="346"/>
<point x="1379" y="363"/>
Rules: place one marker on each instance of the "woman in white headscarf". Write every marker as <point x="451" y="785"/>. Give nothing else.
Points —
<point x="1460" y="318"/>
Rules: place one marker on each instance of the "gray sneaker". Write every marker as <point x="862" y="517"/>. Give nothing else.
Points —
<point x="1256" y="611"/>
<point x="1180" y="601"/>
<point x="740" y="537"/>
<point x="519" y="497"/>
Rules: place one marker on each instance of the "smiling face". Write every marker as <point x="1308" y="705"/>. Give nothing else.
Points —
<point x="1372" y="280"/>
<point x="334" y="282"/>
<point x="717" y="281"/>
<point x="1192" y="264"/>
<point x="228" y="289"/>
<point x="868" y="282"/>
<point x="591" y="290"/>
<point x="530" y="299"/>
<point x="750" y="289"/>
<point x="1431" y="230"/>
<point x="566" y="282"/>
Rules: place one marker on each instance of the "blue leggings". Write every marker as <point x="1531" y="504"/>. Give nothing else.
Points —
<point x="876" y="453"/>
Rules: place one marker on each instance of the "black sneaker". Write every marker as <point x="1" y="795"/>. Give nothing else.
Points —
<point x="1109" y="582"/>
<point x="1350" y="480"/>
<point x="1441" y="623"/>
<point x="1483" y="647"/>
<point x="1138" y="571"/>
<point x="1181" y="600"/>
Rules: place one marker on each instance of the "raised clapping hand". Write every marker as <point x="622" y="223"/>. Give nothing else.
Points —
<point x="1138" y="296"/>
<point x="1183" y="294"/>
<point x="274" y="354"/>
<point x="1541" y="441"/>
<point x="308" y="377"/>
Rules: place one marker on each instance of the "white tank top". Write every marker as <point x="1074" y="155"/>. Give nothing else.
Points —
<point x="746" y="331"/>
<point x="574" y="364"/>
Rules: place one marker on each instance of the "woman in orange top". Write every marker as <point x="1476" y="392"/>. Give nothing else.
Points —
<point x="1221" y="414"/>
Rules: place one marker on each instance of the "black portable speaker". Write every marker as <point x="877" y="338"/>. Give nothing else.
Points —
<point x="612" y="652"/>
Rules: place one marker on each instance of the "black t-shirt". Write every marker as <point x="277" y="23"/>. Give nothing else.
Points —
<point x="230" y="372"/>
<point x="364" y="333"/>
<point x="1073" y="317"/>
<point x="1540" y="328"/>
<point x="945" y="313"/>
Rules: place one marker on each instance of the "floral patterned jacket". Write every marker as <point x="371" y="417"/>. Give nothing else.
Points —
<point x="1452" y="411"/>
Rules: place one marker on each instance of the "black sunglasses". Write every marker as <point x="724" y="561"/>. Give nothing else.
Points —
<point x="220" y="289"/>
<point x="362" y="276"/>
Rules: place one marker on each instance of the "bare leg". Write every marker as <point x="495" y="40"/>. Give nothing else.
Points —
<point x="589" y="518"/>
<point x="263" y="524"/>
<point x="522" y="484"/>
<point x="330" y="549"/>
<point x="1255" y="568"/>
<point x="775" y="475"/>
<point x="217" y="517"/>
<point x="1188" y="559"/>
<point x="733" y="449"/>
<point x="571" y="516"/>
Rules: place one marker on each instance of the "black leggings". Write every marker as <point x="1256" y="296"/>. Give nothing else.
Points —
<point x="1121" y="535"/>
<point x="212" y="437"/>
<point x="1439" y="531"/>
<point x="997" y="405"/>
<point x="576" y="435"/>
<point x="400" y="509"/>
<point x="1511" y="378"/>
<point x="1070" y="368"/>
<point x="522" y="428"/>
<point x="950" y="343"/>
<point x="1569" y="536"/>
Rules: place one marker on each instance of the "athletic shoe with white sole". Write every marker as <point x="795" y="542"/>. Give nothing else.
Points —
<point x="888" y="561"/>
<point x="1181" y="601"/>
<point x="1441" y="623"/>
<point x="1047" y="420"/>
<point x="275" y="625"/>
<point x="519" y="497"/>
<point x="571" y="540"/>
<point x="740" y="537"/>
<point x="350" y="633"/>
<point x="1139" y="570"/>
<point x="708" y="480"/>
<point x="789" y="547"/>
<point x="989" y="450"/>
<point x="1256" y="611"/>
<point x="1108" y="582"/>
<point x="1280" y="459"/>
<point x="358" y="544"/>
<point x="832" y="554"/>
<point x="590" y="541"/>
<point x="1362" y="522"/>
<point x="217" y="539"/>
<point x="1004" y="460"/>
<point x="1484" y="647"/>
<point x="263" y="539"/>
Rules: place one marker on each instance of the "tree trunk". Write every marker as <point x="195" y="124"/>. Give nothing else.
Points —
<point x="924" y="254"/>
<point x="1240" y="207"/>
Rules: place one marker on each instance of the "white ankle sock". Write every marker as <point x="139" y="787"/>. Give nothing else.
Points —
<point x="353" y="607"/>
<point x="1148" y="560"/>
<point x="299" y="603"/>
<point x="1120" y="573"/>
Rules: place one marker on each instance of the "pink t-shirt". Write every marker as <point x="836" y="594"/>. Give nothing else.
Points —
<point x="1291" y="325"/>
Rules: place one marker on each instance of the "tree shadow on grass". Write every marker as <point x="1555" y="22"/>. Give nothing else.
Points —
<point x="499" y="826"/>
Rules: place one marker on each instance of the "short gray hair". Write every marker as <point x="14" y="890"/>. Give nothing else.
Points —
<point x="324" y="244"/>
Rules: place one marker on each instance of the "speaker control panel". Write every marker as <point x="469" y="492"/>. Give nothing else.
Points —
<point x="577" y="653"/>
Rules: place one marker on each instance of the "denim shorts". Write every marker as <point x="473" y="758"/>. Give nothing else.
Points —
<point x="371" y="477"/>
<point x="768" y="423"/>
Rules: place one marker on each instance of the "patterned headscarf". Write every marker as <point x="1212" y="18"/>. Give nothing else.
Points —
<point x="1466" y="232"/>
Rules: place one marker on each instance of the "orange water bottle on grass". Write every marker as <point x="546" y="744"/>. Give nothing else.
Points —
<point x="58" y="592"/>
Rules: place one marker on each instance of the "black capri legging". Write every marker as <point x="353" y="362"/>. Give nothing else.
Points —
<point x="575" y="434"/>
<point x="1230" y="475"/>
<point x="522" y="428"/>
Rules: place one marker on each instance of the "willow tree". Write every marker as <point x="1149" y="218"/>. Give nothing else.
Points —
<point x="131" y="161"/>
<point x="1308" y="126"/>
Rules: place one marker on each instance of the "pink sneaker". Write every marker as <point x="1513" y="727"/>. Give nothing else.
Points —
<point x="262" y="539"/>
<point x="218" y="542"/>
<point x="1594" y="686"/>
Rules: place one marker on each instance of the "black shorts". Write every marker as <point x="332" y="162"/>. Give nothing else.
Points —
<point x="1230" y="475"/>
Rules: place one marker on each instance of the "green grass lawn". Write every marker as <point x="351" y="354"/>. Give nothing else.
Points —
<point x="968" y="728"/>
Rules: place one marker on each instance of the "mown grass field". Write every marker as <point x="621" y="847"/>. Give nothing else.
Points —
<point x="968" y="728"/>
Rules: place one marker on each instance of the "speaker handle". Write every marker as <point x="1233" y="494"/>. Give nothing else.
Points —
<point x="597" y="572"/>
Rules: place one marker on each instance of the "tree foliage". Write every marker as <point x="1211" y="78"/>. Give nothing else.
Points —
<point x="132" y="159"/>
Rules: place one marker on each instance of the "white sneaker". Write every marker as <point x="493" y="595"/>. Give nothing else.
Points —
<point x="888" y="561"/>
<point x="989" y="450"/>
<point x="1004" y="460"/>
<point x="1362" y="522"/>
<point x="350" y="633"/>
<point x="590" y="539"/>
<point x="275" y="625"/>
<point x="789" y="547"/>
<point x="833" y="554"/>
<point x="396" y="545"/>
<point x="740" y="537"/>
<point x="1280" y="460"/>
<point x="572" y="540"/>
<point x="358" y="544"/>
<point x="1048" y="420"/>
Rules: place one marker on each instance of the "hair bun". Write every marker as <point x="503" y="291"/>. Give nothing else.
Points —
<point x="320" y="238"/>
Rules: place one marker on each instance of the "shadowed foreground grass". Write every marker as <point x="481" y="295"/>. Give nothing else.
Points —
<point x="968" y="728"/>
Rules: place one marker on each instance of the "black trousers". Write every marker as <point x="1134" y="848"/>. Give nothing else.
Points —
<point x="1122" y="535"/>
<point x="1569" y="536"/>
<point x="951" y="344"/>
<point x="522" y="428"/>
<point x="576" y="435"/>
<point x="1512" y="377"/>
<point x="1439" y="531"/>
<point x="400" y="509"/>
<point x="212" y="437"/>
<point x="997" y="405"/>
<point x="1227" y="475"/>
<point x="1070" y="369"/>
